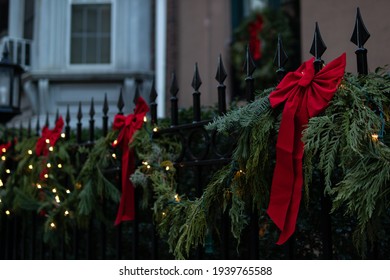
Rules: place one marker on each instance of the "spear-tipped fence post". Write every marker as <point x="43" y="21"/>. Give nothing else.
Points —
<point x="138" y="85"/>
<point x="67" y="123"/>
<point x="153" y="104"/>
<point x="79" y="124"/>
<point x="249" y="68"/>
<point x="47" y="119"/>
<point x="120" y="103"/>
<point x="174" y="108"/>
<point x="359" y="37"/>
<point x="92" y="122"/>
<point x="196" y="83"/>
<point x="280" y="60"/>
<point x="105" y="115"/>
<point x="317" y="49"/>
<point x="37" y="127"/>
<point x="220" y="77"/>
<point x="29" y="128"/>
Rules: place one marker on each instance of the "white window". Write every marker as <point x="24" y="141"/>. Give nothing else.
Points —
<point x="90" y="34"/>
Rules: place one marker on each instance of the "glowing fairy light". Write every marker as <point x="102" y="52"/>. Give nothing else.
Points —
<point x="30" y="167"/>
<point x="48" y="165"/>
<point x="39" y="186"/>
<point x="177" y="198"/>
<point x="167" y="168"/>
<point x="115" y="142"/>
<point x="66" y="213"/>
<point x="8" y="171"/>
<point x="52" y="225"/>
<point x="47" y="141"/>
<point x="59" y="165"/>
<point x="3" y="158"/>
<point x="145" y="119"/>
<point x="68" y="191"/>
<point x="46" y="175"/>
<point x="155" y="129"/>
<point x="375" y="137"/>
<point x="1" y="183"/>
<point x="51" y="148"/>
<point x="4" y="150"/>
<point x="114" y="155"/>
<point x="7" y="212"/>
<point x="30" y="152"/>
<point x="54" y="190"/>
<point x="57" y="198"/>
<point x="63" y="135"/>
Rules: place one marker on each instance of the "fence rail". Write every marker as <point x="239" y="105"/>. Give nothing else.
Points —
<point x="21" y="236"/>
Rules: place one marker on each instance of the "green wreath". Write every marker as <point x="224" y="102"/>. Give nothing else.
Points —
<point x="273" y="23"/>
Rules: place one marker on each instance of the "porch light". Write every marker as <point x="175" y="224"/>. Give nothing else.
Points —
<point x="10" y="86"/>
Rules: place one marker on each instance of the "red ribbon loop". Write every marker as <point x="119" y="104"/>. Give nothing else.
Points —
<point x="128" y="126"/>
<point x="305" y="95"/>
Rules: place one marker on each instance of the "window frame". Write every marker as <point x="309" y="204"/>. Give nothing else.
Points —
<point x="90" y="66"/>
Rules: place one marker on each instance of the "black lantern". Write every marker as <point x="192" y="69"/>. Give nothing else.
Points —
<point x="10" y="87"/>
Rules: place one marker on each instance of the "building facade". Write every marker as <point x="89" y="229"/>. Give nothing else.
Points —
<point x="336" y="20"/>
<point x="74" y="51"/>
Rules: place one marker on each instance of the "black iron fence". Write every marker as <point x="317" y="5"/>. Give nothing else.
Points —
<point x="21" y="235"/>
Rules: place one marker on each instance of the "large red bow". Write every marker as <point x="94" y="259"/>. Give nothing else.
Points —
<point x="305" y="94"/>
<point x="128" y="125"/>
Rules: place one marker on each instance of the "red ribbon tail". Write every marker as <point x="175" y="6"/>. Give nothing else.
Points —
<point x="282" y="189"/>
<point x="126" y="210"/>
<point x="305" y="94"/>
<point x="293" y="209"/>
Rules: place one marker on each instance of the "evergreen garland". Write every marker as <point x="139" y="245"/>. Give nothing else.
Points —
<point x="346" y="143"/>
<point x="73" y="190"/>
<point x="50" y="196"/>
<point x="351" y="154"/>
<point x="95" y="187"/>
<point x="341" y="143"/>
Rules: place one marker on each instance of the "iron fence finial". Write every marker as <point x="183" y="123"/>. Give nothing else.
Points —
<point x="280" y="59"/>
<point x="221" y="72"/>
<point x="249" y="65"/>
<point x="318" y="48"/>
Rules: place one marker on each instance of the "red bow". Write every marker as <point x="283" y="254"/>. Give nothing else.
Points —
<point x="254" y="37"/>
<point x="5" y="147"/>
<point x="48" y="139"/>
<point x="305" y="94"/>
<point x="128" y="126"/>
